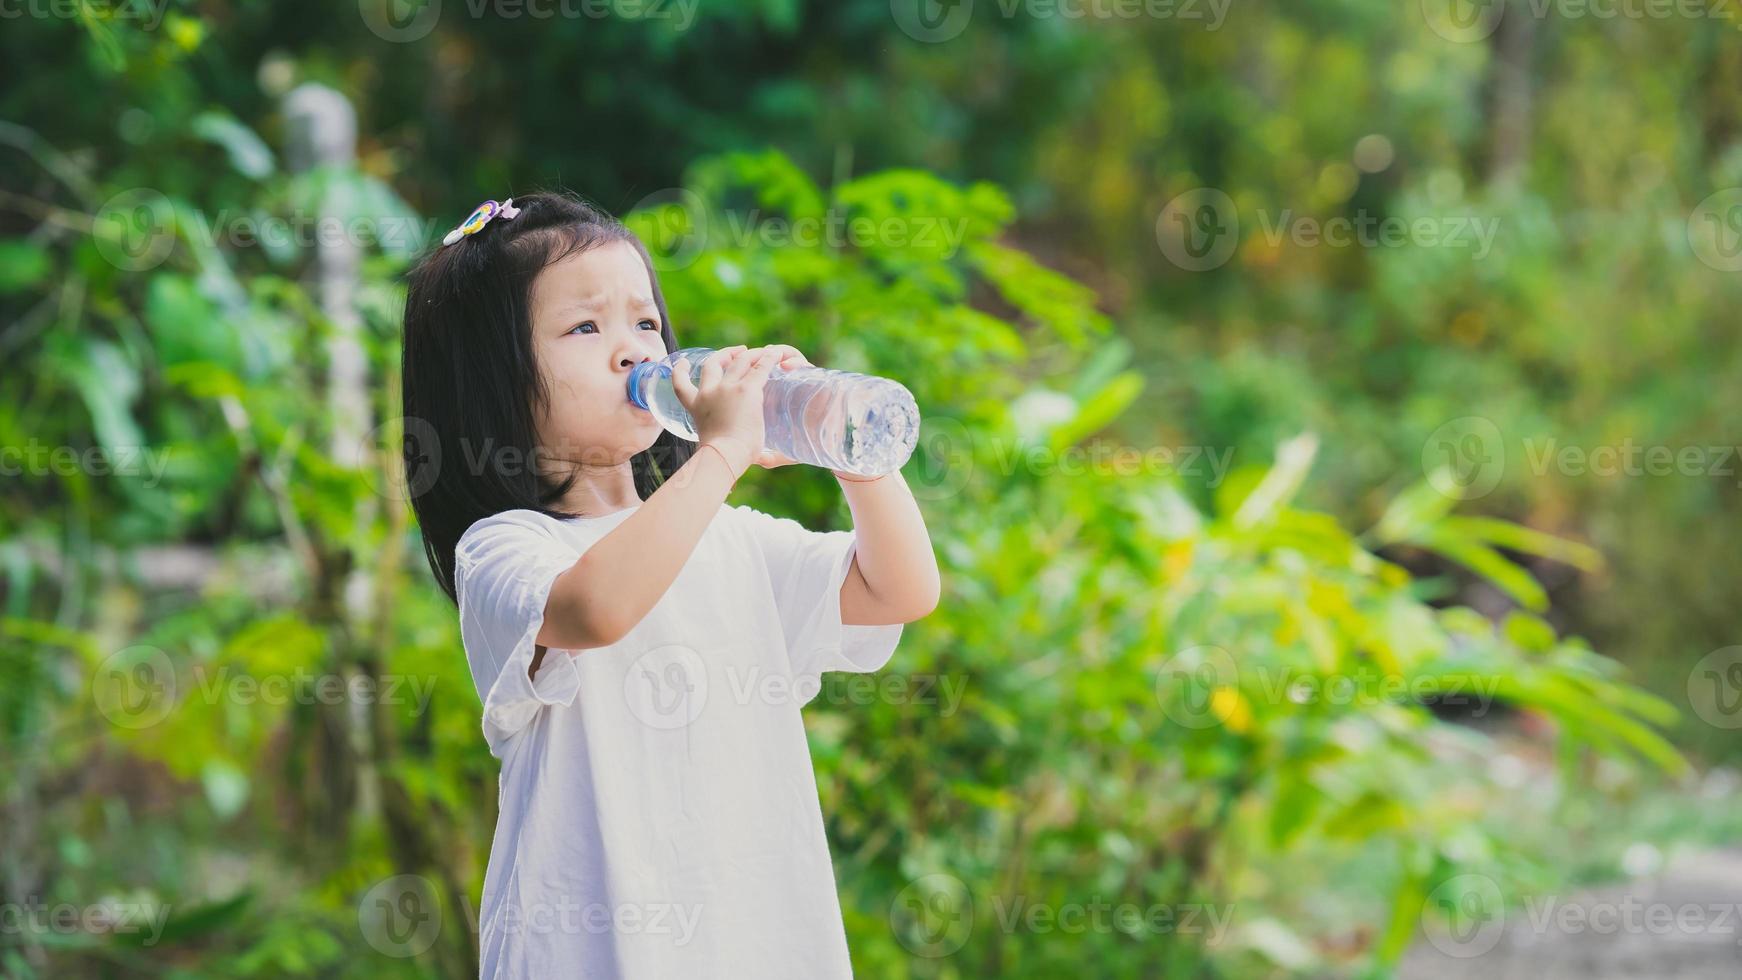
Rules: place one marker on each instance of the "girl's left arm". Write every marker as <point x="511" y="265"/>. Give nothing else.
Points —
<point x="894" y="578"/>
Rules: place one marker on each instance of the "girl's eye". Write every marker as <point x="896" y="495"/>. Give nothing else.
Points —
<point x="649" y="323"/>
<point x="589" y="323"/>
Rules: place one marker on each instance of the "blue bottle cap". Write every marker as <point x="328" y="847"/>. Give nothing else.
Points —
<point x="636" y="373"/>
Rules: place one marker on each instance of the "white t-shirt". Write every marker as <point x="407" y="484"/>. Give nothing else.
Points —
<point x="658" y="811"/>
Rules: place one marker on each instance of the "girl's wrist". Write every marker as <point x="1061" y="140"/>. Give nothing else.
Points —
<point x="851" y="478"/>
<point x="737" y="467"/>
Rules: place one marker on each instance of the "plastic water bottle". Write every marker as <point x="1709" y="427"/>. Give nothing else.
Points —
<point x="854" y="423"/>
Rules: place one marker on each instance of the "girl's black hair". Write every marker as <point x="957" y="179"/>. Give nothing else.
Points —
<point x="472" y="384"/>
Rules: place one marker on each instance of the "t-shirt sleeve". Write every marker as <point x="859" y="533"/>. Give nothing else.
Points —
<point x="806" y="569"/>
<point x="504" y="567"/>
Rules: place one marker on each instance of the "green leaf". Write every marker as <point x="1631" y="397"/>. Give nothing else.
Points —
<point x="22" y="265"/>
<point x="109" y="383"/>
<point x="1297" y="800"/>
<point x="1101" y="408"/>
<point x="1410" y="513"/>
<point x="186" y="326"/>
<point x="1528" y="632"/>
<point x="1488" y="563"/>
<point x="202" y="920"/>
<point x="1293" y="459"/>
<point x="248" y="153"/>
<point x="1048" y="298"/>
<point x="1517" y="537"/>
<point x="1405" y="918"/>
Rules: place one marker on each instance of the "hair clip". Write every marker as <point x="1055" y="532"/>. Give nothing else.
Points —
<point x="476" y="221"/>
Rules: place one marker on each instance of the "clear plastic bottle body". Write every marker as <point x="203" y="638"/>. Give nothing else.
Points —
<point x="854" y="423"/>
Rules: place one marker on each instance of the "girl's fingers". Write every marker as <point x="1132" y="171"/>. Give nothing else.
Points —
<point x="790" y="357"/>
<point x="682" y="386"/>
<point x="729" y="363"/>
<point x="744" y="363"/>
<point x="726" y="360"/>
<point x="712" y="368"/>
<point x="752" y="360"/>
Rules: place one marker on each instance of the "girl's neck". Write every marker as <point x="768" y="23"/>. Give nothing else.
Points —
<point x="600" y="491"/>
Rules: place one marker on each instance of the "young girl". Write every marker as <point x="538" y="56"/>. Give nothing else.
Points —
<point x="641" y="648"/>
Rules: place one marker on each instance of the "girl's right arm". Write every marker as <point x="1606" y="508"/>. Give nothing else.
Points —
<point x="618" y="580"/>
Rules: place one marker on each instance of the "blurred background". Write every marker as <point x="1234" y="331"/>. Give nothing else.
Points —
<point x="1330" y="450"/>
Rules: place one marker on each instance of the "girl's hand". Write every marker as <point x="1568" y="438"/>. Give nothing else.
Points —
<point x="726" y="401"/>
<point x="789" y="359"/>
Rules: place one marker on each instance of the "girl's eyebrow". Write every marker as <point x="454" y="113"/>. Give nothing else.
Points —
<point x="592" y="303"/>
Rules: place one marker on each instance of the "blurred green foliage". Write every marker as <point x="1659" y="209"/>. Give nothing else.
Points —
<point x="1175" y="684"/>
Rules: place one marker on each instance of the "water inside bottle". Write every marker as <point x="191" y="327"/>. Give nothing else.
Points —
<point x="868" y="426"/>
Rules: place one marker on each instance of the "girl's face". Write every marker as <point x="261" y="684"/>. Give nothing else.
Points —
<point x="593" y="319"/>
